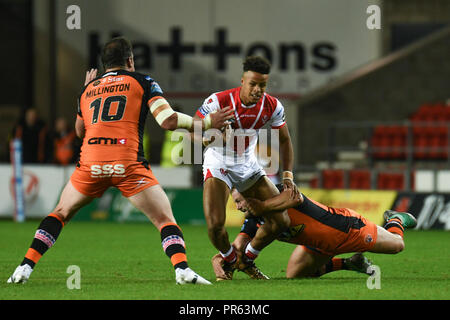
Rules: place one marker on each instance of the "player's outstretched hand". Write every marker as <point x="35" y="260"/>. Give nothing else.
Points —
<point x="291" y="192"/>
<point x="221" y="118"/>
<point x="288" y="184"/>
<point x="90" y="75"/>
<point x="291" y="197"/>
<point x="217" y="262"/>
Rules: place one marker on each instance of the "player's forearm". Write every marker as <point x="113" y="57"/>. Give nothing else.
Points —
<point x="80" y="134"/>
<point x="170" y="123"/>
<point x="289" y="198"/>
<point x="79" y="128"/>
<point x="286" y="149"/>
<point x="287" y="154"/>
<point x="167" y="118"/>
<point x="278" y="203"/>
<point x="197" y="138"/>
<point x="179" y="120"/>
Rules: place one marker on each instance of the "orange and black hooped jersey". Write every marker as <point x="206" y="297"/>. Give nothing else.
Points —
<point x="316" y="225"/>
<point x="114" y="107"/>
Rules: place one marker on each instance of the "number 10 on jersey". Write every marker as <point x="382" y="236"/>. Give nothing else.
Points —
<point x="105" y="115"/>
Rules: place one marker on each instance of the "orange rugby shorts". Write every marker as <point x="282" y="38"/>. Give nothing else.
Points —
<point x="359" y="240"/>
<point x="130" y="177"/>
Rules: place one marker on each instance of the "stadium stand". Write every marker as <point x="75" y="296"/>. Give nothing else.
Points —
<point x="425" y="135"/>
<point x="429" y="136"/>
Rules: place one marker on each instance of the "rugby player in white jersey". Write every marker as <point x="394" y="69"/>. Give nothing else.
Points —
<point x="234" y="164"/>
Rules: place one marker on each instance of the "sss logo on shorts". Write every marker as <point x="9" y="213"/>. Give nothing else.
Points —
<point x="107" y="170"/>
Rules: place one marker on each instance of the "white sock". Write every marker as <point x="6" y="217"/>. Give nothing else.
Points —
<point x="230" y="256"/>
<point x="251" y="252"/>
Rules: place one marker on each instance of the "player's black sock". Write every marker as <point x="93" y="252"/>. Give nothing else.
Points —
<point x="335" y="264"/>
<point x="173" y="245"/>
<point x="44" y="238"/>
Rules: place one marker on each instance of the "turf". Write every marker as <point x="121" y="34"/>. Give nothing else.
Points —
<point x="126" y="261"/>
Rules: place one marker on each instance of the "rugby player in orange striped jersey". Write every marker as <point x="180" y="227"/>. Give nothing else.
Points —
<point x="320" y="233"/>
<point x="112" y="110"/>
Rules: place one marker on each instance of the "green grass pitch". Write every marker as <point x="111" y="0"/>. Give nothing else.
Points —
<point x="126" y="261"/>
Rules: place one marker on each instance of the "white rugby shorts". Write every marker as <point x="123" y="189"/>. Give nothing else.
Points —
<point x="241" y="176"/>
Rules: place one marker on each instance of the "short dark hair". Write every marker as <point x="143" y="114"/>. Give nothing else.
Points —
<point x="257" y="64"/>
<point x="116" y="52"/>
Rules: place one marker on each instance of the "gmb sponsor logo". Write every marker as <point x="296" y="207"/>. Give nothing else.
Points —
<point x="107" y="170"/>
<point x="103" y="140"/>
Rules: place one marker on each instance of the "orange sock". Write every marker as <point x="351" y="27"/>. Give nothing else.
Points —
<point x="394" y="225"/>
<point x="33" y="255"/>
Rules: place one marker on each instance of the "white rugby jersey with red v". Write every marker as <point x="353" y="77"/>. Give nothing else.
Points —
<point x="248" y="120"/>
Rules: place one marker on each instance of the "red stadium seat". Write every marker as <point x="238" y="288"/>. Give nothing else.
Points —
<point x="333" y="179"/>
<point x="398" y="142"/>
<point x="424" y="109"/>
<point x="447" y="113"/>
<point x="389" y="142"/>
<point x="314" y="183"/>
<point x="420" y="142"/>
<point x="359" y="179"/>
<point x="390" y="181"/>
<point x="443" y="143"/>
<point x="431" y="113"/>
<point x="379" y="140"/>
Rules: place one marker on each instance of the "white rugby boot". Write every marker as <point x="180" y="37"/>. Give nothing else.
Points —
<point x="183" y="276"/>
<point x="21" y="274"/>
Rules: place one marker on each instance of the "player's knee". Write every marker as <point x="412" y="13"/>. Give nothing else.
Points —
<point x="299" y="272"/>
<point x="279" y="223"/>
<point x="290" y="274"/>
<point x="285" y="221"/>
<point x="278" y="226"/>
<point x="399" y="246"/>
<point x="395" y="246"/>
